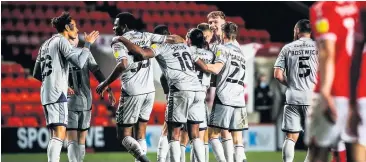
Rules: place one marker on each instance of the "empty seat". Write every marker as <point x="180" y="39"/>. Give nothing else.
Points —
<point x="30" y="122"/>
<point x="37" y="110"/>
<point x="14" y="122"/>
<point x="102" y="110"/>
<point x="6" y="110"/>
<point x="101" y="121"/>
<point x="35" y="97"/>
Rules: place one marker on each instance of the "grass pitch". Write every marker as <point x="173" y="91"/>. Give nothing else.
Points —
<point x="125" y="157"/>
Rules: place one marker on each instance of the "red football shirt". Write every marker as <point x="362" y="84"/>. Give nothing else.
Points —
<point x="336" y="21"/>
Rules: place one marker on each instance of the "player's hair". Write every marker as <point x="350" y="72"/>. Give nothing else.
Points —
<point x="197" y="38"/>
<point x="304" y="26"/>
<point x="126" y="18"/>
<point x="162" y="30"/>
<point x="230" y="30"/>
<point x="61" y="21"/>
<point x="204" y="27"/>
<point x="214" y="14"/>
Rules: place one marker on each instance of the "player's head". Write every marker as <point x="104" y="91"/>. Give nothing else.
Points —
<point x="66" y="25"/>
<point x="229" y="31"/>
<point x="196" y="38"/>
<point x="207" y="32"/>
<point x="124" y="22"/>
<point x="302" y="27"/>
<point x="162" y="30"/>
<point x="216" y="19"/>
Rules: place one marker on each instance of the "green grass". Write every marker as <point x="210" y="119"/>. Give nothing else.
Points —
<point x="125" y="157"/>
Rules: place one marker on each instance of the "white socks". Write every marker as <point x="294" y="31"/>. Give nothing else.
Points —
<point x="81" y="152"/>
<point x="163" y="149"/>
<point x="288" y="150"/>
<point x="132" y="146"/>
<point x="54" y="149"/>
<point x="207" y="152"/>
<point x="228" y="149"/>
<point x="199" y="149"/>
<point x="174" y="149"/>
<point x="218" y="150"/>
<point x="239" y="153"/>
<point x="73" y="151"/>
<point x="182" y="153"/>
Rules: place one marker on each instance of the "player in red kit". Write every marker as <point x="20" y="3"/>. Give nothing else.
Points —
<point x="333" y="26"/>
<point x="356" y="126"/>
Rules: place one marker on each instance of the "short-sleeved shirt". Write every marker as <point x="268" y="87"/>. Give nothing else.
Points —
<point x="336" y="21"/>
<point x="54" y="57"/>
<point x="138" y="77"/>
<point x="230" y="80"/>
<point x="79" y="81"/>
<point x="300" y="60"/>
<point x="207" y="57"/>
<point x="177" y="63"/>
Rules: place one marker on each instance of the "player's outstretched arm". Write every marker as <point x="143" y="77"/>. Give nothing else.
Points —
<point x="117" y="71"/>
<point x="215" y="68"/>
<point x="135" y="49"/>
<point x="77" y="56"/>
<point x="278" y="74"/>
<point x="173" y="39"/>
<point x="202" y="66"/>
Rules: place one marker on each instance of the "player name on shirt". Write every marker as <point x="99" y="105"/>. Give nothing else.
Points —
<point x="303" y="52"/>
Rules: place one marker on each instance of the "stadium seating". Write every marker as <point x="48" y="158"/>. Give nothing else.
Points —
<point x="25" y="25"/>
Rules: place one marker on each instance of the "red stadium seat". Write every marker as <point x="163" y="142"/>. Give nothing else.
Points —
<point x="30" y="122"/>
<point x="6" y="110"/>
<point x="22" y="109"/>
<point x="23" y="39"/>
<point x="11" y="39"/>
<point x="8" y="26"/>
<point x="101" y="121"/>
<point x="14" y="122"/>
<point x="28" y="14"/>
<point x="17" y="14"/>
<point x="102" y="110"/>
<point x="5" y="13"/>
<point x="33" y="83"/>
<point x="37" y="110"/>
<point x="35" y="97"/>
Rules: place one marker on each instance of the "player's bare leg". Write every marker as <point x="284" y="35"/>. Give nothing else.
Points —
<point x="72" y="146"/>
<point x="82" y="138"/>
<point x="55" y="143"/>
<point x="318" y="154"/>
<point x="163" y="145"/>
<point x="196" y="143"/>
<point x="174" y="130"/>
<point x="124" y="134"/>
<point x="288" y="149"/>
<point x="228" y="145"/>
<point x="184" y="139"/>
<point x="218" y="150"/>
<point x="239" y="147"/>
<point x="140" y="135"/>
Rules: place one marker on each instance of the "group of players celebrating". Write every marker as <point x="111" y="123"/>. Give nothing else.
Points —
<point x="187" y="65"/>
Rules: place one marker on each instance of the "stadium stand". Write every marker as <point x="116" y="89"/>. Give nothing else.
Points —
<point x="25" y="25"/>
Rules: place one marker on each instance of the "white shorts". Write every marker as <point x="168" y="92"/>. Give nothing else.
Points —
<point x="185" y="106"/>
<point x="293" y="120"/>
<point x="228" y="118"/>
<point x="319" y="130"/>
<point x="131" y="109"/>
<point x="79" y="120"/>
<point x="56" y="114"/>
<point x="361" y="128"/>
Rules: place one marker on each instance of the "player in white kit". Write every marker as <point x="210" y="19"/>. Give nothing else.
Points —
<point x="80" y="105"/>
<point x="52" y="68"/>
<point x="299" y="61"/>
<point x="185" y="101"/>
<point x="138" y="91"/>
<point x="229" y="111"/>
<point x="197" y="43"/>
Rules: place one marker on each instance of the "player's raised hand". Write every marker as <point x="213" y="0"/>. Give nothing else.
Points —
<point x="91" y="37"/>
